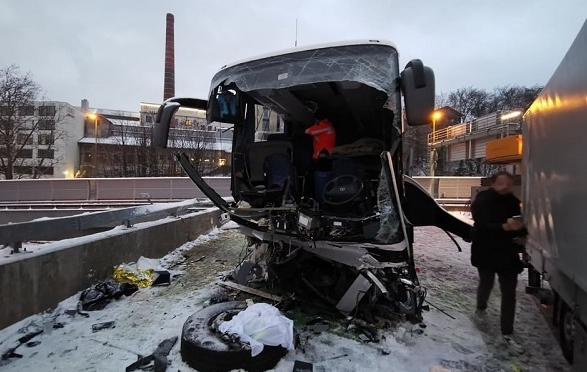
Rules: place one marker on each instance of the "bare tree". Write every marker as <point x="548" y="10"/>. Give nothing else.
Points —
<point x="198" y="146"/>
<point x="118" y="158"/>
<point x="26" y="126"/>
<point x="511" y="97"/>
<point x="470" y="102"/>
<point x="415" y="150"/>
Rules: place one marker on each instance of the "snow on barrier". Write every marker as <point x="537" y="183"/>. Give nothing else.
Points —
<point x="34" y="282"/>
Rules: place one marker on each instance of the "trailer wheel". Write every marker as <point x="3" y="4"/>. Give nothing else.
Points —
<point x="566" y="330"/>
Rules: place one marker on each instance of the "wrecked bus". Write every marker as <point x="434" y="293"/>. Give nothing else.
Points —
<point x="322" y="197"/>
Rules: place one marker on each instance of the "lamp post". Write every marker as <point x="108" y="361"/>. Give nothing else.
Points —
<point x="435" y="116"/>
<point x="94" y="117"/>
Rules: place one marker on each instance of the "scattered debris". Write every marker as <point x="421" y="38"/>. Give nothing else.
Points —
<point x="33" y="343"/>
<point x="159" y="357"/>
<point x="142" y="273"/>
<point x="218" y="298"/>
<point x="11" y="353"/>
<point x="242" y="275"/>
<point x="250" y="290"/>
<point x="333" y="358"/>
<point x="439" y="309"/>
<point x="366" y="332"/>
<point x="317" y="326"/>
<point x="199" y="259"/>
<point x="300" y="366"/>
<point x="79" y="310"/>
<point x="99" y="295"/>
<point x="162" y="278"/>
<point x="100" y="326"/>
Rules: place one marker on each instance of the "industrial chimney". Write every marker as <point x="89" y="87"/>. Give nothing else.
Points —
<point x="169" y="82"/>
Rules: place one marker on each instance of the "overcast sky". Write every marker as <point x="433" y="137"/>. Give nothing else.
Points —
<point x="112" y="52"/>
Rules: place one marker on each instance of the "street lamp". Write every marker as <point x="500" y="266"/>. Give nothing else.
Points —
<point x="94" y="117"/>
<point x="435" y="116"/>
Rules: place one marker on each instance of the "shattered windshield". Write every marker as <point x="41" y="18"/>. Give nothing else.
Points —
<point x="375" y="65"/>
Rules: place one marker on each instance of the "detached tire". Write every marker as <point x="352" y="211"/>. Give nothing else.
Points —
<point x="202" y="348"/>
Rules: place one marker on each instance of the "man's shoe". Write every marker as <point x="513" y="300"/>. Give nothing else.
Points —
<point x="480" y="320"/>
<point x="480" y="312"/>
<point x="513" y="345"/>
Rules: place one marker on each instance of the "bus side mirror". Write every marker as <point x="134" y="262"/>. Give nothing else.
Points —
<point x="165" y="115"/>
<point x="417" y="84"/>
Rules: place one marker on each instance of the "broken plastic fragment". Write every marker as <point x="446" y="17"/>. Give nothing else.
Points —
<point x="100" y="326"/>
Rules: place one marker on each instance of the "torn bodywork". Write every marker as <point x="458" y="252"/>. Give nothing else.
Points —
<point x="316" y="170"/>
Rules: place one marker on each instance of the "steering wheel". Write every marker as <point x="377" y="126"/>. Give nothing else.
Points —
<point x="340" y="186"/>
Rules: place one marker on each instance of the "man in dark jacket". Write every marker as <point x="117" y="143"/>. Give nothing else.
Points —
<point x="493" y="250"/>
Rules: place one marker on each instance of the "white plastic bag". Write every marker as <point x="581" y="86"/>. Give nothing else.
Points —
<point x="259" y="325"/>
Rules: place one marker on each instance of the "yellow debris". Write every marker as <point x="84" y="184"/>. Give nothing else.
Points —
<point x="127" y="274"/>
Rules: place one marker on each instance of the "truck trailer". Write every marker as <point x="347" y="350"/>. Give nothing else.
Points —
<point x="554" y="192"/>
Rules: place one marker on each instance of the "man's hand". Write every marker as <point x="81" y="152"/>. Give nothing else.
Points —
<point x="513" y="224"/>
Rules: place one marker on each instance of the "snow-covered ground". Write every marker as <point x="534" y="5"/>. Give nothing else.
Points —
<point x="450" y="339"/>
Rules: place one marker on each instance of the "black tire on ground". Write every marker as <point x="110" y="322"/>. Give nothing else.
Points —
<point x="202" y="349"/>
<point x="566" y="330"/>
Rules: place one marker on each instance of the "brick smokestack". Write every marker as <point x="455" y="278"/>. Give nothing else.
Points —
<point x="169" y="82"/>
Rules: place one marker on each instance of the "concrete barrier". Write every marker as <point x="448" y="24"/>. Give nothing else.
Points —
<point x="39" y="281"/>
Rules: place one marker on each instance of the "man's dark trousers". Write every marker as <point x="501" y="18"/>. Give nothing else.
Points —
<point x="508" y="281"/>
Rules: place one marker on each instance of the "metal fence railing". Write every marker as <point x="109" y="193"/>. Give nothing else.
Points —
<point x="492" y="124"/>
<point x="14" y="234"/>
<point x="107" y="189"/>
<point x="78" y="190"/>
<point x="444" y="189"/>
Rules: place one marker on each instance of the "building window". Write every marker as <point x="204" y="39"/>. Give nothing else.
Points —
<point x="28" y="124"/>
<point x="188" y="123"/>
<point x="4" y="111"/>
<point x="148" y="119"/>
<point x="46" y="110"/>
<point x="24" y="139"/>
<point x="45" y="154"/>
<point x="46" y="139"/>
<point x="48" y="171"/>
<point x="25" y="153"/>
<point x="47" y="124"/>
<point x="26" y="110"/>
<point x="23" y="169"/>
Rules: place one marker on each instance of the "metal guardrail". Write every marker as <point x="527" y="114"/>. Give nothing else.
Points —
<point x="118" y="191"/>
<point x="107" y="189"/>
<point x="15" y="233"/>
<point x="492" y="124"/>
<point x="451" y="190"/>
